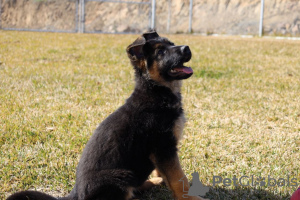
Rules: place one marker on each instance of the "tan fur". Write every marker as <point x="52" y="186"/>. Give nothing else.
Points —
<point x="151" y="183"/>
<point x="178" y="127"/>
<point x="155" y="173"/>
<point x="172" y="173"/>
<point x="142" y="64"/>
<point x="129" y="193"/>
<point x="155" y="74"/>
<point x="175" y="86"/>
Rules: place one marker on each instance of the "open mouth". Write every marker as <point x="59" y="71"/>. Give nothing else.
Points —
<point x="178" y="70"/>
<point x="181" y="71"/>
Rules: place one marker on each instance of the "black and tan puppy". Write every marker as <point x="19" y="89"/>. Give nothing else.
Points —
<point x="140" y="136"/>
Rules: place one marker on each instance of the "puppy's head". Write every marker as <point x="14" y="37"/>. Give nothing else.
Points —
<point x="158" y="59"/>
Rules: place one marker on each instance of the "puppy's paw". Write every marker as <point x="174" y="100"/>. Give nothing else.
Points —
<point x="156" y="180"/>
<point x="151" y="183"/>
<point x="155" y="173"/>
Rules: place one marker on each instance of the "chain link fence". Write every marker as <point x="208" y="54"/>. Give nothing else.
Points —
<point x="109" y="16"/>
<point x="39" y="15"/>
<point x="88" y="16"/>
<point x="233" y="17"/>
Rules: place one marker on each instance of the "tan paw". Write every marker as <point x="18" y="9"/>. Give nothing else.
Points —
<point x="156" y="180"/>
<point x="151" y="183"/>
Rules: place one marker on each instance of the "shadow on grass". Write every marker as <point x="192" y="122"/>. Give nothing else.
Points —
<point x="218" y="193"/>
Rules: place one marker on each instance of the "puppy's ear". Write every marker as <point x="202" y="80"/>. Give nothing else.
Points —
<point x="135" y="50"/>
<point x="150" y="35"/>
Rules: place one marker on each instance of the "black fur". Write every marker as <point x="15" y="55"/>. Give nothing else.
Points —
<point x="117" y="157"/>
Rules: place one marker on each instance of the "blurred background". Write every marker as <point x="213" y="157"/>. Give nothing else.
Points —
<point x="232" y="17"/>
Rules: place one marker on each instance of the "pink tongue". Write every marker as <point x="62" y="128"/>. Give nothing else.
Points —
<point x="186" y="70"/>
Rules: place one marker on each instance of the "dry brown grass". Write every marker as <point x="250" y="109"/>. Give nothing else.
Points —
<point x="242" y="105"/>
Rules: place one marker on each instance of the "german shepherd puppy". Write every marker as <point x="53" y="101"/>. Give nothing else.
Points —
<point x="140" y="136"/>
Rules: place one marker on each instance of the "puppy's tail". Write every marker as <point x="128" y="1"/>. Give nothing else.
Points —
<point x="32" y="195"/>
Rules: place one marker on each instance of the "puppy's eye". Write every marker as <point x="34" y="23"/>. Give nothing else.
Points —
<point x="160" y="52"/>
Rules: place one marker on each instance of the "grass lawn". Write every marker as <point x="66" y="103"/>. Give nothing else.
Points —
<point x="242" y="105"/>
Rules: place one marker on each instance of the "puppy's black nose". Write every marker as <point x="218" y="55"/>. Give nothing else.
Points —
<point x="186" y="52"/>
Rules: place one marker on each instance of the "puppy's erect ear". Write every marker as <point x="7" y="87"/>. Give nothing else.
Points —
<point x="135" y="50"/>
<point x="150" y="35"/>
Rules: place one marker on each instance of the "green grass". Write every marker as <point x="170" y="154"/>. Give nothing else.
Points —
<point x="242" y="105"/>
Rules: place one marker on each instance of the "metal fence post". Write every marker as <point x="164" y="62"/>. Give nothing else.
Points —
<point x="82" y="16"/>
<point x="153" y="14"/>
<point x="76" y="16"/>
<point x="261" y="18"/>
<point x="169" y="16"/>
<point x="191" y="16"/>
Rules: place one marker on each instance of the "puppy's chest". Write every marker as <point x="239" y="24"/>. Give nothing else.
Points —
<point x="178" y="117"/>
<point x="178" y="126"/>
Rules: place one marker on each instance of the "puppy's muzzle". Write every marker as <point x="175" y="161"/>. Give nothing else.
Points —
<point x="186" y="52"/>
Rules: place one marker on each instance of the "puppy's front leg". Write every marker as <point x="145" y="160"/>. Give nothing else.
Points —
<point x="172" y="173"/>
<point x="155" y="173"/>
